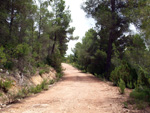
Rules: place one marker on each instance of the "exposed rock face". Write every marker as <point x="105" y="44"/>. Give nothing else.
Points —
<point x="37" y="79"/>
<point x="20" y="80"/>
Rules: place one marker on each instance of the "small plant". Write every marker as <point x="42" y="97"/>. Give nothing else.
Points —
<point x="25" y="91"/>
<point x="141" y="93"/>
<point x="44" y="85"/>
<point x="84" y="71"/>
<point x="121" y="84"/>
<point x="57" y="79"/>
<point x="125" y="104"/>
<point x="59" y="75"/>
<point x="51" y="82"/>
<point x="129" y="85"/>
<point x="1" y="94"/>
<point x="5" y="85"/>
<point x="11" y="97"/>
<point x="140" y="105"/>
<point x="46" y="68"/>
<point x="95" y="74"/>
<point x="33" y="71"/>
<point x="19" y="95"/>
<point x="32" y="89"/>
<point x="41" y="72"/>
<point x="38" y="89"/>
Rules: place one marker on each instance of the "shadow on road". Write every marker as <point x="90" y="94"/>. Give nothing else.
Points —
<point x="83" y="79"/>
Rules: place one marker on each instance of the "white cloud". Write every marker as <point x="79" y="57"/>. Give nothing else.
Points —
<point x="80" y="22"/>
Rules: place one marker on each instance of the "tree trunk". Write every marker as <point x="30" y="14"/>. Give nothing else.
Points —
<point x="39" y="35"/>
<point x="111" y="39"/>
<point x="49" y="48"/>
<point x="32" y="35"/>
<point x="54" y="44"/>
<point x="11" y="20"/>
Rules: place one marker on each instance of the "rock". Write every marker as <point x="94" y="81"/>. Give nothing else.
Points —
<point x="3" y="105"/>
<point x="7" y="72"/>
<point x="1" y="70"/>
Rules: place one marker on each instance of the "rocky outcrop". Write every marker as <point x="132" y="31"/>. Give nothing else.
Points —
<point x="21" y="81"/>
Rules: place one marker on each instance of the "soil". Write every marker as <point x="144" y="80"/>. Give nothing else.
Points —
<point x="76" y="92"/>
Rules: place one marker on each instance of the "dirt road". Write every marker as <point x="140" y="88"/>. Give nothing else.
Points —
<point x="76" y="93"/>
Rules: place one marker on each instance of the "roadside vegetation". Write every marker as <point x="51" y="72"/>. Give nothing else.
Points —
<point x="25" y="91"/>
<point x="112" y="50"/>
<point x="33" y="36"/>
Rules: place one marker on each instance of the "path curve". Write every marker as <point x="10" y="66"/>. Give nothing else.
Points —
<point x="77" y="92"/>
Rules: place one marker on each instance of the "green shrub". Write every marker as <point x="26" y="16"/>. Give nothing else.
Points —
<point x="40" y="64"/>
<point x="140" y="104"/>
<point x="121" y="84"/>
<point x="51" y="82"/>
<point x="32" y="89"/>
<point x="1" y="94"/>
<point x="25" y="91"/>
<point x="47" y="69"/>
<point x="141" y="93"/>
<point x="130" y="85"/>
<point x="41" y="72"/>
<point x="59" y="75"/>
<point x="124" y="72"/>
<point x="39" y="88"/>
<point x="33" y="71"/>
<point x="143" y="77"/>
<point x="84" y="71"/>
<point x="44" y="85"/>
<point x="22" y="49"/>
<point x="36" y="89"/>
<point x="5" y="85"/>
<point x="11" y="97"/>
<point x="125" y="104"/>
<point x="9" y="65"/>
<point x="19" y="95"/>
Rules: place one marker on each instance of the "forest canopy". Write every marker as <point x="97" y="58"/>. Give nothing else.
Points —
<point x="33" y="33"/>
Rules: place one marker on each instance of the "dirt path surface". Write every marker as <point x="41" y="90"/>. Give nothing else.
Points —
<point x="76" y="93"/>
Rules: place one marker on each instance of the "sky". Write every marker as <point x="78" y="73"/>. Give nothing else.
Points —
<point x="79" y="21"/>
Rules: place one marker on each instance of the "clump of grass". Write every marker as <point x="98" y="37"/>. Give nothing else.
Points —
<point x="26" y="91"/>
<point x="121" y="85"/>
<point x="36" y="89"/>
<point x="44" y="69"/>
<point x="51" y="82"/>
<point x="39" y="88"/>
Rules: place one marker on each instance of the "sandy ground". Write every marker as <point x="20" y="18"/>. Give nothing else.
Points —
<point x="77" y="92"/>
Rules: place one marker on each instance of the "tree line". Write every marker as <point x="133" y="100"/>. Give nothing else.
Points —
<point x="111" y="50"/>
<point x="33" y="33"/>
